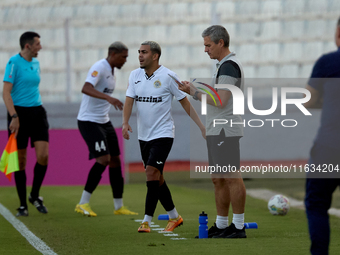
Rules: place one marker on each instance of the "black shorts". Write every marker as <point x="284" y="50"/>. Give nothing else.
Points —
<point x="224" y="151"/>
<point x="155" y="152"/>
<point x="33" y="124"/>
<point x="101" y="139"/>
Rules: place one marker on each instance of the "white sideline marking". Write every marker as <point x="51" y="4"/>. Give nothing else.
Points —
<point x="180" y="238"/>
<point x="154" y="226"/>
<point x="266" y="194"/>
<point x="25" y="232"/>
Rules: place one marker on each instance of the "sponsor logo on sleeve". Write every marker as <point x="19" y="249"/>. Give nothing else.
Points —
<point x="94" y="74"/>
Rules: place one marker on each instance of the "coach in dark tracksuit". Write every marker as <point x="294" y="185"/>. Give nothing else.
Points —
<point x="324" y="86"/>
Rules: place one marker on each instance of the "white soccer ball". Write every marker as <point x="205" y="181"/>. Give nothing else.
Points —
<point x="278" y="205"/>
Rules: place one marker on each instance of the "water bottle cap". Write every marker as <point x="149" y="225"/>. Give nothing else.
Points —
<point x="203" y="214"/>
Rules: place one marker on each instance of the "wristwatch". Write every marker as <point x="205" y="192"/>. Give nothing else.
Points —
<point x="14" y="116"/>
<point x="195" y="95"/>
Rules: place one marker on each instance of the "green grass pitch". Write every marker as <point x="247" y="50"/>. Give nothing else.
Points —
<point x="67" y="232"/>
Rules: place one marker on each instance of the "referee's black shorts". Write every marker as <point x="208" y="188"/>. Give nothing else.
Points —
<point x="101" y="139"/>
<point x="224" y="151"/>
<point x="33" y="124"/>
<point x="155" y="152"/>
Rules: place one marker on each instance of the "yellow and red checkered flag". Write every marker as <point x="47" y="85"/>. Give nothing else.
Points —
<point x="9" y="161"/>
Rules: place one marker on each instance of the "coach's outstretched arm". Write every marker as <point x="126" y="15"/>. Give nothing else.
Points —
<point x="191" y="90"/>
<point x="126" y="117"/>
<point x="193" y="114"/>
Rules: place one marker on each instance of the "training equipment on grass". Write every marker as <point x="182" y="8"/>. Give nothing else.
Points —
<point x="203" y="225"/>
<point x="250" y="225"/>
<point x="247" y="225"/>
<point x="278" y="205"/>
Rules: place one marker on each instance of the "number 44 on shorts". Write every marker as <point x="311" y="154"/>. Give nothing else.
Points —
<point x="101" y="147"/>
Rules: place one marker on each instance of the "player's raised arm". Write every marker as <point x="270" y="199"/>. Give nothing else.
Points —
<point x="193" y="114"/>
<point x="126" y="117"/>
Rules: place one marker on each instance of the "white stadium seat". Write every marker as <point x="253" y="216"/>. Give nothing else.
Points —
<point x="201" y="12"/>
<point x="291" y="52"/>
<point x="266" y="72"/>
<point x="178" y="34"/>
<point x="312" y="50"/>
<point x="226" y="9"/>
<point x="305" y="71"/>
<point x="270" y="30"/>
<point x="155" y="12"/>
<point x="109" y="34"/>
<point x="334" y="6"/>
<point x="248" y="53"/>
<point x="272" y="38"/>
<point x="269" y="52"/>
<point x="158" y="33"/>
<point x="289" y="71"/>
<point x="316" y="6"/>
<point x="131" y="13"/>
<point x="108" y="12"/>
<point x="247" y="30"/>
<point x="293" y="7"/>
<point x="177" y="11"/>
<point x="249" y="71"/>
<point x="247" y="8"/>
<point x="271" y="7"/>
<point x="292" y="29"/>
<point x="87" y="12"/>
<point x="316" y="28"/>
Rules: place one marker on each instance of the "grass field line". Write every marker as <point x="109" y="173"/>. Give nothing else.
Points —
<point x="36" y="242"/>
<point x="266" y="194"/>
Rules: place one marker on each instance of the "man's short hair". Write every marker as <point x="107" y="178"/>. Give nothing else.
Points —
<point x="216" y="33"/>
<point x="339" y="22"/>
<point x="154" y="47"/>
<point x="27" y="37"/>
<point x="117" y="47"/>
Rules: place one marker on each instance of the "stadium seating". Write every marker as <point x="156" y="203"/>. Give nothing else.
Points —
<point x="273" y="38"/>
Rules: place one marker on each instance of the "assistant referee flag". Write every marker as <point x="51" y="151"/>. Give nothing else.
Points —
<point x="9" y="162"/>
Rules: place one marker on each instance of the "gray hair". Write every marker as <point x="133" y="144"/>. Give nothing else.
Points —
<point x="154" y="47"/>
<point x="216" y="33"/>
<point x="117" y="47"/>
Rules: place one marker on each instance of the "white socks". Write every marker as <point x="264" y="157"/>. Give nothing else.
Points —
<point x="147" y="218"/>
<point x="85" y="197"/>
<point x="118" y="203"/>
<point x="238" y="220"/>
<point x="173" y="214"/>
<point x="222" y="222"/>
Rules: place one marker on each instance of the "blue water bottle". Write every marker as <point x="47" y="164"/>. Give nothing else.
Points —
<point x="203" y="227"/>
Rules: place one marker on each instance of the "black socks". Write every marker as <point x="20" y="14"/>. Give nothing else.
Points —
<point x="116" y="181"/>
<point x="165" y="197"/>
<point x="94" y="177"/>
<point x="151" y="197"/>
<point x="20" y="183"/>
<point x="39" y="175"/>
